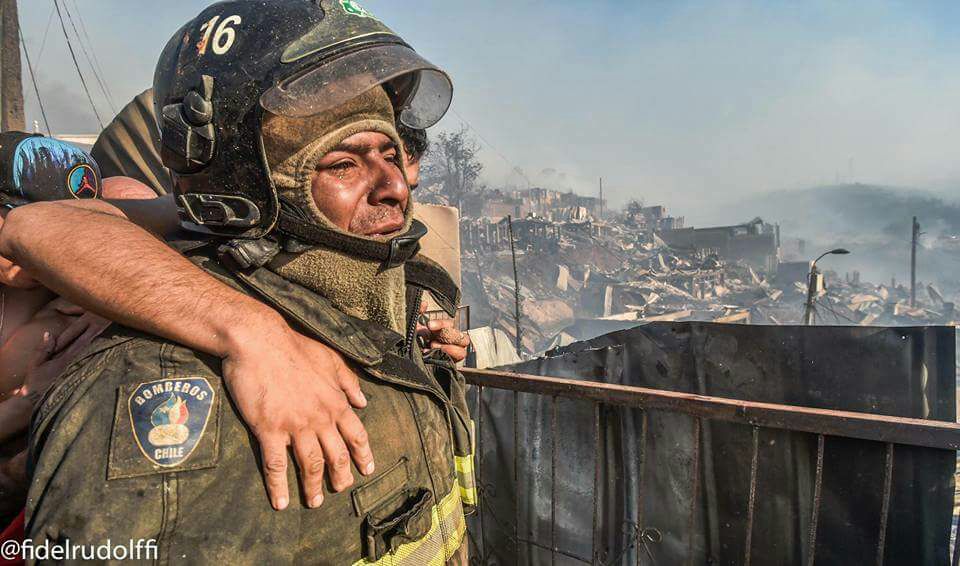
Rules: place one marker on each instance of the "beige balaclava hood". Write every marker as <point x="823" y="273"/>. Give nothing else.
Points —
<point x="357" y="286"/>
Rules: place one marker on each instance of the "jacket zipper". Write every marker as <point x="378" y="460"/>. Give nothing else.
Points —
<point x="412" y="326"/>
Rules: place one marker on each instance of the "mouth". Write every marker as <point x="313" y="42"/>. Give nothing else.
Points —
<point x="379" y="222"/>
<point x="385" y="228"/>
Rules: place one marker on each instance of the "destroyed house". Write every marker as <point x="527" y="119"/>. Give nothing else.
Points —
<point x="531" y="233"/>
<point x="656" y="218"/>
<point x="495" y="204"/>
<point x="534" y="233"/>
<point x="756" y="242"/>
<point x="651" y="218"/>
<point x="545" y="202"/>
<point x="594" y="205"/>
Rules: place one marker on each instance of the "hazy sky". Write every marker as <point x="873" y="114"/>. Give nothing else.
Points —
<point x="681" y="103"/>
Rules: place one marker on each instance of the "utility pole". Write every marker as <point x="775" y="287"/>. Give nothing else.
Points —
<point x="814" y="286"/>
<point x="913" y="263"/>
<point x="809" y="310"/>
<point x="601" y="199"/>
<point x="516" y="287"/>
<point x="11" y="81"/>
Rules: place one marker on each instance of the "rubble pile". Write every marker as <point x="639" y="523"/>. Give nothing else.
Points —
<point x="580" y="279"/>
<point x="867" y="304"/>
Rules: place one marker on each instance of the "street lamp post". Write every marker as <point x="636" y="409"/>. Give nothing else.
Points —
<point x="809" y="312"/>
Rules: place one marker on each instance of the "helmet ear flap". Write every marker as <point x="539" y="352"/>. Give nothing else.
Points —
<point x="187" y="132"/>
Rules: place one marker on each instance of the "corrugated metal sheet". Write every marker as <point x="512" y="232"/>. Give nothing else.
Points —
<point x="568" y="481"/>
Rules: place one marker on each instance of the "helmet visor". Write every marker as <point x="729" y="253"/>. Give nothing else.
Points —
<point x="420" y="90"/>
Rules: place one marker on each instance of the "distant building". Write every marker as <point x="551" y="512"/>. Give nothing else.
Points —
<point x="656" y="218"/>
<point x="496" y="204"/>
<point x="546" y="203"/>
<point x="531" y="233"/>
<point x="756" y="242"/>
<point x="652" y="218"/>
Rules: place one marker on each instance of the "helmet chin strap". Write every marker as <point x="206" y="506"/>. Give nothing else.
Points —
<point x="247" y="254"/>
<point x="393" y="252"/>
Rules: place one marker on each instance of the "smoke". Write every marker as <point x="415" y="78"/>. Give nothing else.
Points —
<point x="723" y="111"/>
<point x="873" y="222"/>
<point x="687" y="104"/>
<point x="699" y="106"/>
<point x="68" y="111"/>
<point x="690" y="104"/>
<point x="123" y="36"/>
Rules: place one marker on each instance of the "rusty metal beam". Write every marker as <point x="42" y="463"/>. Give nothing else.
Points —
<point x="863" y="426"/>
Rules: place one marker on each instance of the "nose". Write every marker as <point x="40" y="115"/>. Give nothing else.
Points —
<point x="389" y="187"/>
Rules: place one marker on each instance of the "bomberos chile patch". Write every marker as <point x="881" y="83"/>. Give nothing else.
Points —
<point x="169" y="417"/>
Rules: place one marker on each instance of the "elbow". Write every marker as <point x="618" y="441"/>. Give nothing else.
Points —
<point x="21" y="225"/>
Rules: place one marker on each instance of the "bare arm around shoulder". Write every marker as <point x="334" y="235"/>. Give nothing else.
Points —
<point x="292" y="391"/>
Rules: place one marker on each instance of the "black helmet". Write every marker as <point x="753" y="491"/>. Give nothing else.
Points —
<point x="296" y="58"/>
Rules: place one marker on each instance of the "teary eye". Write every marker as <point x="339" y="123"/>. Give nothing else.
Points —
<point x="341" y="165"/>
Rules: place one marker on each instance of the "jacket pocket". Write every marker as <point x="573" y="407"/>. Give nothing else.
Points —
<point x="401" y="519"/>
<point x="388" y="484"/>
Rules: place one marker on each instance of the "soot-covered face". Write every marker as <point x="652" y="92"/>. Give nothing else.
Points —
<point x="360" y="187"/>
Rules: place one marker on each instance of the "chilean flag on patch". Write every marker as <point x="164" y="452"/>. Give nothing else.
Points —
<point x="173" y="412"/>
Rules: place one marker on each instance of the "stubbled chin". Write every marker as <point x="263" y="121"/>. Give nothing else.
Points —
<point x="382" y="237"/>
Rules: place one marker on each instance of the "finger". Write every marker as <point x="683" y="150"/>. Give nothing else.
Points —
<point x="437" y="324"/>
<point x="95" y="327"/>
<point x="42" y="352"/>
<point x="423" y="331"/>
<point x="63" y="306"/>
<point x="72" y="332"/>
<point x="349" y="383"/>
<point x="306" y="448"/>
<point x="355" y="436"/>
<point x="69" y="309"/>
<point x="338" y="458"/>
<point x="423" y="307"/>
<point x="456" y="353"/>
<point x="274" y="461"/>
<point x="452" y="336"/>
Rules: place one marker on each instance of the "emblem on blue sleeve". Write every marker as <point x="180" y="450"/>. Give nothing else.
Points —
<point x="83" y="181"/>
<point x="169" y="417"/>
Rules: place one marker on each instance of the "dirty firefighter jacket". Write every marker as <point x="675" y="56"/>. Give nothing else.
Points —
<point x="139" y="440"/>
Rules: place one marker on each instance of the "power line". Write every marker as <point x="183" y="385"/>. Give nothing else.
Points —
<point x="33" y="79"/>
<point x="83" y="27"/>
<point x="76" y="65"/>
<point x="836" y="314"/>
<point x="96" y="60"/>
<point x="491" y="146"/>
<point x="46" y="31"/>
<point x="835" y="317"/>
<point x="96" y="74"/>
<point x="93" y="52"/>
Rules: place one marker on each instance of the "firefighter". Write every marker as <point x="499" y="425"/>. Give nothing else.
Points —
<point x="278" y="122"/>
